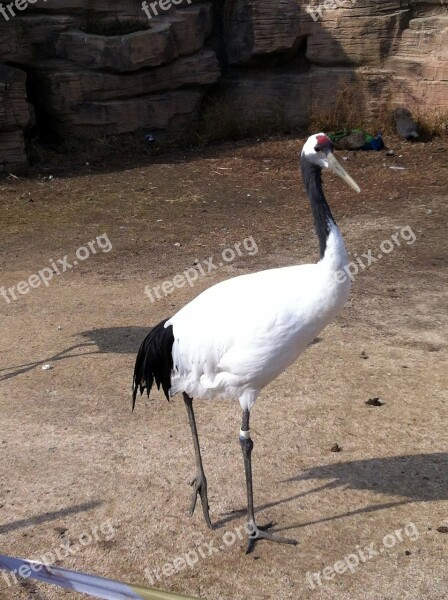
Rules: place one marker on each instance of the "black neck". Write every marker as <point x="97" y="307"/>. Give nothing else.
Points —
<point x="312" y="177"/>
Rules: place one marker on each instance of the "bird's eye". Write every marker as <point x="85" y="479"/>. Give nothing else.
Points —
<point x="317" y="149"/>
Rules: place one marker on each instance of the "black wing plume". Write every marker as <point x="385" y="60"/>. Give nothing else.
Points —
<point x="154" y="361"/>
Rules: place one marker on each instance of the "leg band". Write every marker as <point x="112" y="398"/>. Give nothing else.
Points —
<point x="244" y="435"/>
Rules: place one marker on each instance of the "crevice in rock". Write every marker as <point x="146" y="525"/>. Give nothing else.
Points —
<point x="42" y="127"/>
<point x="217" y="40"/>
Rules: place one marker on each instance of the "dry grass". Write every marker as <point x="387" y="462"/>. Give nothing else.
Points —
<point x="220" y="122"/>
<point x="351" y="108"/>
<point x="432" y="123"/>
<point x="355" y="106"/>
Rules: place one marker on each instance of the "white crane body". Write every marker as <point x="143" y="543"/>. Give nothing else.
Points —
<point x="239" y="335"/>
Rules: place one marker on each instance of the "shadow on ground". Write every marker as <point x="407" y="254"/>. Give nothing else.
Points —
<point x="413" y="478"/>
<point x="111" y="340"/>
<point x="48" y="516"/>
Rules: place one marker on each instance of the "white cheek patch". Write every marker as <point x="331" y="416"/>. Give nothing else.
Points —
<point x="244" y="435"/>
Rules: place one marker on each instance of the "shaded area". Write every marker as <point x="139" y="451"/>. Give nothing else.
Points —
<point x="49" y="516"/>
<point x="417" y="478"/>
<point x="117" y="340"/>
<point x="111" y="340"/>
<point x="241" y="512"/>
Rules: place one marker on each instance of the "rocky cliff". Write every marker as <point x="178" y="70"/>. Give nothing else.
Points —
<point x="88" y="71"/>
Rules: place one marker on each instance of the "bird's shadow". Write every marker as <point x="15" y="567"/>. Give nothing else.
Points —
<point x="110" y="340"/>
<point x="411" y="478"/>
<point x="49" y="516"/>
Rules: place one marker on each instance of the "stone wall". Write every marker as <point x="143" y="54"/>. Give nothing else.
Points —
<point x="296" y="60"/>
<point x="15" y="115"/>
<point x="92" y="72"/>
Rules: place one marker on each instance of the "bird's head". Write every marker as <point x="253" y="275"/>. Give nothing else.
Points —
<point x="318" y="151"/>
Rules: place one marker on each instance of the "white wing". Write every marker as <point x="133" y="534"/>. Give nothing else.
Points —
<point x="239" y="335"/>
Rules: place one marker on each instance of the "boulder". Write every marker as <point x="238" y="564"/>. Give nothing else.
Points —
<point x="61" y="86"/>
<point x="254" y="29"/>
<point x="358" y="34"/>
<point x="167" y="38"/>
<point x="159" y="111"/>
<point x="420" y="65"/>
<point x="191" y="27"/>
<point x="41" y="33"/>
<point x="337" y="31"/>
<point x="119" y="53"/>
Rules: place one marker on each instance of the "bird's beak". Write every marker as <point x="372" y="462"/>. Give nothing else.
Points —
<point x="339" y="170"/>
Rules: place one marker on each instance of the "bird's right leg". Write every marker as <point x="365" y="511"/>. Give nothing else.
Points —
<point x="255" y="533"/>
<point x="199" y="483"/>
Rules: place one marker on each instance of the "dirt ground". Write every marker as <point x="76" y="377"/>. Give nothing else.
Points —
<point x="78" y="469"/>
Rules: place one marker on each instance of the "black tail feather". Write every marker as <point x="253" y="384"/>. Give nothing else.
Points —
<point x="154" y="361"/>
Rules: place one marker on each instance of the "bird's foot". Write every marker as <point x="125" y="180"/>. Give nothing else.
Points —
<point x="256" y="533"/>
<point x="199" y="484"/>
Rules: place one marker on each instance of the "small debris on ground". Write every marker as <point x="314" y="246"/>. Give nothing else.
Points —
<point x="46" y="367"/>
<point x="374" y="402"/>
<point x="335" y="448"/>
<point x="364" y="355"/>
<point x="442" y="529"/>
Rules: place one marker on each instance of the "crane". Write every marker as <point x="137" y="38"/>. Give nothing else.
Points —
<point x="240" y="334"/>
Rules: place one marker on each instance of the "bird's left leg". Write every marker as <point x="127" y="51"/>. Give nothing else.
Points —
<point x="253" y="531"/>
<point x="199" y="483"/>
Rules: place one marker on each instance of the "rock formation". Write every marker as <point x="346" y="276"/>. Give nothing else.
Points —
<point x="15" y="115"/>
<point x="91" y="71"/>
<point x="296" y="60"/>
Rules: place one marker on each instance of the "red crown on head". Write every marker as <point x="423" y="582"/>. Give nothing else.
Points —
<point x="322" y="140"/>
